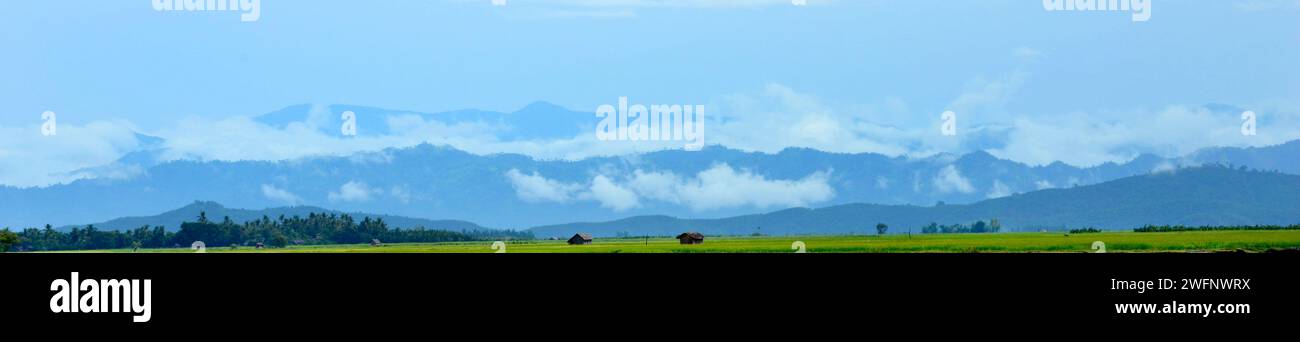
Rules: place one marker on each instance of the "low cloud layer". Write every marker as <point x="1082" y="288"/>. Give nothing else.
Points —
<point x="535" y="188"/>
<point x="353" y="191"/>
<point x="280" y="195"/>
<point x="719" y="187"/>
<point x="950" y="180"/>
<point x="28" y="158"/>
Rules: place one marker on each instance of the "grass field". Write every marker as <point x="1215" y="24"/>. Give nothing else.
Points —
<point x="941" y="243"/>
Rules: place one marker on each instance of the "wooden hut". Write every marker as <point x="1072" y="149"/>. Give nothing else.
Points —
<point x="580" y="239"/>
<point x="691" y="238"/>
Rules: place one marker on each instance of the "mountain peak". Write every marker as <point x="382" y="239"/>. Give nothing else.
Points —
<point x="541" y="107"/>
<point x="204" y="205"/>
<point x="285" y="116"/>
<point x="978" y="156"/>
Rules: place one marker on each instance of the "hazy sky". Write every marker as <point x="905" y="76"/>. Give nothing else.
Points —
<point x="866" y="76"/>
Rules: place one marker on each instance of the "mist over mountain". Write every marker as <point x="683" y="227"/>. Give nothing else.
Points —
<point x="1191" y="196"/>
<point x="538" y="120"/>
<point x="1210" y="195"/>
<point x="517" y="191"/>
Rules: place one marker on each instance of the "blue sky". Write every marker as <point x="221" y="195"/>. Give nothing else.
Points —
<point x="866" y="76"/>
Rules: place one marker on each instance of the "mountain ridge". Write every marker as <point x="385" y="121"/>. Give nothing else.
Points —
<point x="427" y="181"/>
<point x="1212" y="195"/>
<point x="1209" y="195"/>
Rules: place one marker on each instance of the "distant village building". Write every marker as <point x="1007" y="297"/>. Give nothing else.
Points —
<point x="580" y="239"/>
<point x="376" y="243"/>
<point x="691" y="238"/>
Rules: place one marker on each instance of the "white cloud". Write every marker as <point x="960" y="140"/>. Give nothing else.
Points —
<point x="723" y="187"/>
<point x="1027" y="54"/>
<point x="1087" y="139"/>
<point x="111" y="171"/>
<point x="280" y="195"/>
<point x="768" y="120"/>
<point x="400" y="193"/>
<point x="612" y="195"/>
<point x="719" y="187"/>
<point x="988" y="98"/>
<point x="1043" y="184"/>
<point x="779" y="117"/>
<point x="29" y="159"/>
<point x="998" y="190"/>
<point x="950" y="180"/>
<point x="659" y="186"/>
<point x="242" y="138"/>
<point x="354" y="191"/>
<point x="1164" y="167"/>
<point x="536" y="188"/>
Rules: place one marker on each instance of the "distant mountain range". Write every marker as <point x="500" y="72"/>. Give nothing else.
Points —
<point x="1193" y="197"/>
<point x="439" y="182"/>
<point x="1214" y="195"/>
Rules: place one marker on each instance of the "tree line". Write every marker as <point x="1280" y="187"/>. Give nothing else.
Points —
<point x="1162" y="229"/>
<point x="978" y="227"/>
<point x="315" y="229"/>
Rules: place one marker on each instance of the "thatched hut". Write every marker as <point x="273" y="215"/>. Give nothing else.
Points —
<point x="691" y="238"/>
<point x="580" y="239"/>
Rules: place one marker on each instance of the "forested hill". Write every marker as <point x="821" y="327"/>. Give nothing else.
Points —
<point x="171" y="220"/>
<point x="312" y="229"/>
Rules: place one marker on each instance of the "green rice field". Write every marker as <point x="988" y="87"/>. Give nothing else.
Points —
<point x="1113" y="242"/>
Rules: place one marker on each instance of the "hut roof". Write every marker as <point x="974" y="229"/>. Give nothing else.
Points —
<point x="692" y="235"/>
